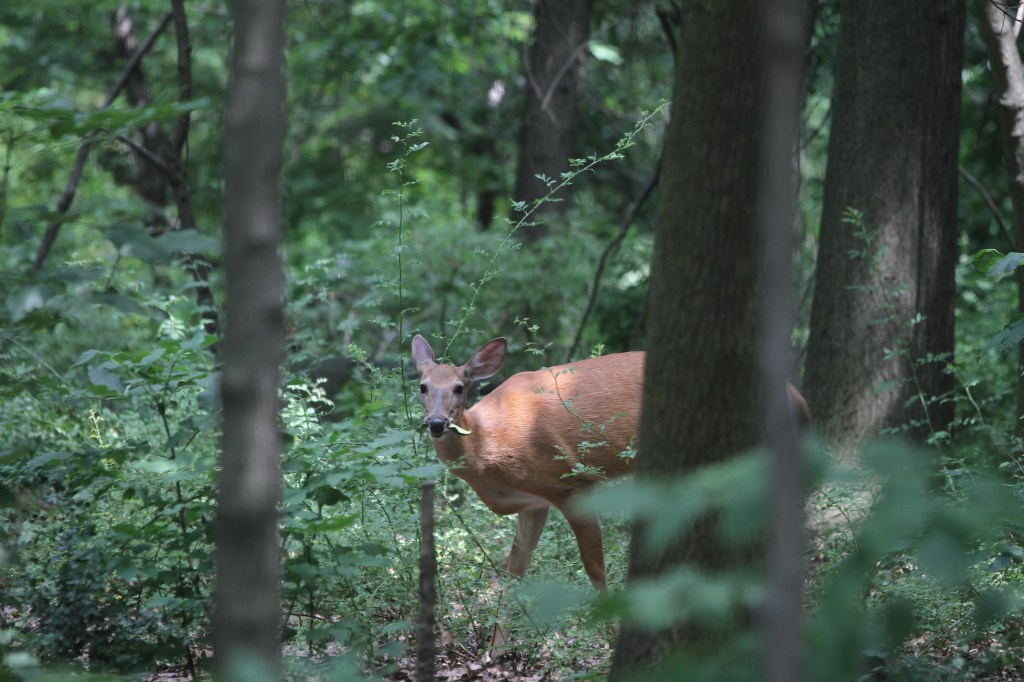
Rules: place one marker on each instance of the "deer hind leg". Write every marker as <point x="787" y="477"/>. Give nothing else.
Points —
<point x="531" y="523"/>
<point x="587" y="529"/>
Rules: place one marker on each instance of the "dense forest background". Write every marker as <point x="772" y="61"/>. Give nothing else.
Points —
<point x="414" y="136"/>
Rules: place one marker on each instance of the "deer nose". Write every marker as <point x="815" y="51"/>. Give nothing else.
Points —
<point x="437" y="426"/>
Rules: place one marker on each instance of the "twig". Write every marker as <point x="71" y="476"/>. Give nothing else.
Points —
<point x="667" y="17"/>
<point x="146" y="153"/>
<point x="613" y="245"/>
<point x="990" y="202"/>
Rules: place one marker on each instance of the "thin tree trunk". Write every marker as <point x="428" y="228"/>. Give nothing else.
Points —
<point x="700" y="398"/>
<point x="554" y="74"/>
<point x="882" y="321"/>
<point x="786" y="41"/>
<point x="247" y="616"/>
<point x="1000" y="33"/>
<point x="425" y="646"/>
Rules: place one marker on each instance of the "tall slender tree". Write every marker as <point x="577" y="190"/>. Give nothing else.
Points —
<point x="1000" y="31"/>
<point x="882" y="318"/>
<point x="247" y="617"/>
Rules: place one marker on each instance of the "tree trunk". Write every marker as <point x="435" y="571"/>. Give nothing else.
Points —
<point x="785" y="46"/>
<point x="554" y="74"/>
<point x="700" y="400"/>
<point x="247" y="617"/>
<point x="1000" y="33"/>
<point x="882" y="319"/>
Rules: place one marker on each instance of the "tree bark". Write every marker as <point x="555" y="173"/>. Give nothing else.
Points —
<point x="247" y="617"/>
<point x="554" y="76"/>
<point x="427" y="620"/>
<point x="882" y="320"/>
<point x="1000" y="33"/>
<point x="700" y="399"/>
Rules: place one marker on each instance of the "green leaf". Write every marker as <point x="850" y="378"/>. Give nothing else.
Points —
<point x="119" y="302"/>
<point x="331" y="524"/>
<point x="136" y="241"/>
<point x="327" y="495"/>
<point x="1006" y="264"/>
<point x="152" y="356"/>
<point x="187" y="241"/>
<point x="1008" y="340"/>
<point x="86" y="357"/>
<point x="426" y="471"/>
<point x="23" y="300"/>
<point x="985" y="259"/>
<point x="179" y="438"/>
<point x="127" y="530"/>
<point x="156" y="466"/>
<point x="48" y="458"/>
<point x="603" y="52"/>
<point x="994" y="262"/>
<point x="126" y="570"/>
<point x="101" y="376"/>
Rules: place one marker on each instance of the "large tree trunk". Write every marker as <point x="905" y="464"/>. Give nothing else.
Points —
<point x="1000" y="33"/>
<point x="700" y="401"/>
<point x="247" y="617"/>
<point x="882" y="319"/>
<point x="554" y="74"/>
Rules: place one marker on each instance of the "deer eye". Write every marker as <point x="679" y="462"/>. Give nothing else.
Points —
<point x="423" y="388"/>
<point x="458" y="389"/>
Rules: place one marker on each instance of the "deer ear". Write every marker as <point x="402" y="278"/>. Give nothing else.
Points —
<point x="486" y="361"/>
<point x="422" y="354"/>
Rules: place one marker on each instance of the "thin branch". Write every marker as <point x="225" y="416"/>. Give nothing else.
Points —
<point x="126" y="73"/>
<point x="147" y="154"/>
<point x="667" y="17"/>
<point x="83" y="152"/>
<point x="566" y="65"/>
<point x="991" y="203"/>
<point x="1012" y="11"/>
<point x="545" y="97"/>
<point x="613" y="245"/>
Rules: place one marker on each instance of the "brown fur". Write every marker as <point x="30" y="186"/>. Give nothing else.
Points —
<point x="526" y="435"/>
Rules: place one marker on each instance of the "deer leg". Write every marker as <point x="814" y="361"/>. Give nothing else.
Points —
<point x="531" y="523"/>
<point x="588" y="536"/>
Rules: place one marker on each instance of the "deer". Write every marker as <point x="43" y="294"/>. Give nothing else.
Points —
<point x="541" y="439"/>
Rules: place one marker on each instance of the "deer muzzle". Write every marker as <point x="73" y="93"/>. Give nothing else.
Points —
<point x="437" y="426"/>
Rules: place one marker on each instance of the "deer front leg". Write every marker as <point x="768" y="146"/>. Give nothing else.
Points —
<point x="531" y="523"/>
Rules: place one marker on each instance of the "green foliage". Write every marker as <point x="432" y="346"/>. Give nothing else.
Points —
<point x="906" y="559"/>
<point x="108" y="381"/>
